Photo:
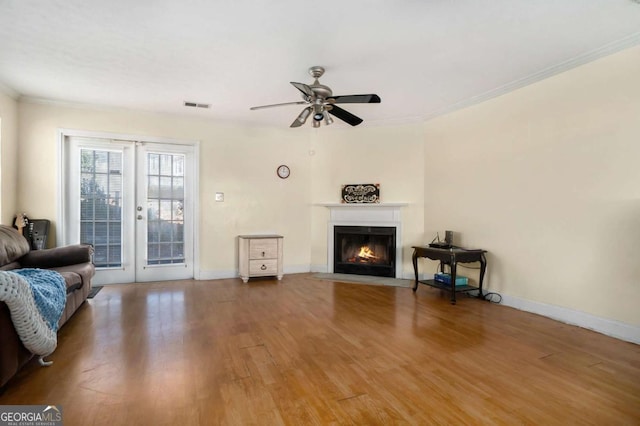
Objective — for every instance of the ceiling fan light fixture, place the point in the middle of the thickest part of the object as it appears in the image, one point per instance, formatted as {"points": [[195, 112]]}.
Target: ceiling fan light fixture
{"points": [[302, 118], [318, 110], [316, 123], [327, 118]]}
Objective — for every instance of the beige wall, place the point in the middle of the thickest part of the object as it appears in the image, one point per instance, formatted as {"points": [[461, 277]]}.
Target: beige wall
{"points": [[241, 162], [8, 158], [547, 179], [391, 156]]}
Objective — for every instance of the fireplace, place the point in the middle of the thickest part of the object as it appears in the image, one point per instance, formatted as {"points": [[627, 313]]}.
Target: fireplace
{"points": [[365, 250], [385, 215]]}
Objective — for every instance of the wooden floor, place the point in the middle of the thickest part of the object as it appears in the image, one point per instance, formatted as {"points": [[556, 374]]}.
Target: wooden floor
{"points": [[306, 351]]}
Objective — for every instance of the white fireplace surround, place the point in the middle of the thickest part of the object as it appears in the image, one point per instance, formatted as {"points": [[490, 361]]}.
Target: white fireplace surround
{"points": [[383, 214]]}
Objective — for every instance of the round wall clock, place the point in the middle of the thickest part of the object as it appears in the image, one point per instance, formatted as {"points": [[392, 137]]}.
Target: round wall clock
{"points": [[283, 171]]}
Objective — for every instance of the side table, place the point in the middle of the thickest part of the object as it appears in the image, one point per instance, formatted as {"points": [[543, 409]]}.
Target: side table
{"points": [[451, 257]]}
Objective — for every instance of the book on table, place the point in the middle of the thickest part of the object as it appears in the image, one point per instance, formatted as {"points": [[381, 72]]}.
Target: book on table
{"points": [[446, 279]]}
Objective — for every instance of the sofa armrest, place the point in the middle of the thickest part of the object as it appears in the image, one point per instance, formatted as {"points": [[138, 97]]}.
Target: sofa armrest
{"points": [[59, 256]]}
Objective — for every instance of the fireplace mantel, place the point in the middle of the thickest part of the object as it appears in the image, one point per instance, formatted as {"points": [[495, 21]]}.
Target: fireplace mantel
{"points": [[367, 205], [379, 214]]}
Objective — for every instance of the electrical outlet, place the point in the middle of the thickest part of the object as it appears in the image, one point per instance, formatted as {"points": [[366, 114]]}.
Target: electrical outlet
{"points": [[219, 197]]}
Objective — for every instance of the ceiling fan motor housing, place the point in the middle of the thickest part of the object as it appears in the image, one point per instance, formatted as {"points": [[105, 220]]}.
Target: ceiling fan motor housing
{"points": [[320, 90]]}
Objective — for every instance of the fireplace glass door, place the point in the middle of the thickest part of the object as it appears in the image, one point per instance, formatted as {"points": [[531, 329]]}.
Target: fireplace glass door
{"points": [[365, 250]]}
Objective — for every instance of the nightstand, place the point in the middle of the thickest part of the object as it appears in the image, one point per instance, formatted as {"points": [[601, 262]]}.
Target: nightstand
{"points": [[260, 256]]}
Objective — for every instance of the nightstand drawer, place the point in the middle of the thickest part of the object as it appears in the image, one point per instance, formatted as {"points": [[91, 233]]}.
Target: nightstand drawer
{"points": [[263, 267], [263, 248]]}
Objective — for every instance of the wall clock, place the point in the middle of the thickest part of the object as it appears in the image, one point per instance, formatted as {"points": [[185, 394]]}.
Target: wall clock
{"points": [[283, 171]]}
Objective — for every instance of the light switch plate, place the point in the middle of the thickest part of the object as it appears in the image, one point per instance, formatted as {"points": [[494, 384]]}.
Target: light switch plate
{"points": [[219, 196]]}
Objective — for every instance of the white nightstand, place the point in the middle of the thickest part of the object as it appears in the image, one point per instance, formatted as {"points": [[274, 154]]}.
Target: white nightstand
{"points": [[260, 256]]}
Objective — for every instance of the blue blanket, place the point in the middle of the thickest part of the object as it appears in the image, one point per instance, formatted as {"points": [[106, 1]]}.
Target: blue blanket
{"points": [[49, 293]]}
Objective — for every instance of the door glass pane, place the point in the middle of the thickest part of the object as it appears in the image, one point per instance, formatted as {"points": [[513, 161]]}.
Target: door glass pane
{"points": [[101, 204], [165, 203]]}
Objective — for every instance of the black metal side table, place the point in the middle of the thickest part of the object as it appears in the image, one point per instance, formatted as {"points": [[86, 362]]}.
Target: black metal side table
{"points": [[451, 257]]}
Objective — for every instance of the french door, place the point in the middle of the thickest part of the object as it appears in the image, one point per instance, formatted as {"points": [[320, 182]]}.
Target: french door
{"points": [[134, 202]]}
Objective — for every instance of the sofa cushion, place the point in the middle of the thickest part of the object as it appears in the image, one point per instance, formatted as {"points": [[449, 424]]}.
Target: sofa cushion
{"points": [[72, 280], [13, 245], [10, 266], [76, 275]]}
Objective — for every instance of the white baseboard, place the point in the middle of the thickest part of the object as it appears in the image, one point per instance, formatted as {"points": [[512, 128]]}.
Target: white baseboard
{"points": [[319, 268], [410, 275], [617, 329], [217, 275], [296, 269]]}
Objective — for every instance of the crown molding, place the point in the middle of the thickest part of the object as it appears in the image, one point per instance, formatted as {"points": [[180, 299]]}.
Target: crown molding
{"points": [[13, 94], [72, 104], [120, 109], [606, 50]]}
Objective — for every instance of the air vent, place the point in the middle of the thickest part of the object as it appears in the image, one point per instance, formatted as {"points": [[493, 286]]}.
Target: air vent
{"points": [[196, 105]]}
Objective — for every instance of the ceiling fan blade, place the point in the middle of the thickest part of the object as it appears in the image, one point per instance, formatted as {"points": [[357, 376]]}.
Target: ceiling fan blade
{"points": [[302, 118], [345, 116], [306, 90], [355, 99], [277, 105]]}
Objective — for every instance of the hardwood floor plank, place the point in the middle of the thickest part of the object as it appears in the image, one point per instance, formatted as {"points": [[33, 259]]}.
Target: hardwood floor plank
{"points": [[304, 351]]}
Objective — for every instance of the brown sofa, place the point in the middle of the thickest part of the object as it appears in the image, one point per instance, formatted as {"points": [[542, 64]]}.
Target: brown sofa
{"points": [[73, 262]]}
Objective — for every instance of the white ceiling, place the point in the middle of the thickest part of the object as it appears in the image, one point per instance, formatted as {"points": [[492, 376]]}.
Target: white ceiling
{"points": [[422, 57]]}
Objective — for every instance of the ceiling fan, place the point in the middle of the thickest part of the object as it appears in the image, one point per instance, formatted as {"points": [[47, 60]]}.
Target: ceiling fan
{"points": [[322, 102]]}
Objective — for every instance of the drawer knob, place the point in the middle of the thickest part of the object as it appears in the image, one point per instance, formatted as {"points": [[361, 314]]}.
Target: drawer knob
{"points": [[263, 267]]}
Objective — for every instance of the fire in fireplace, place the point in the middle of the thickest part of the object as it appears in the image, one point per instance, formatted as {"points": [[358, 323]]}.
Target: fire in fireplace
{"points": [[365, 250]]}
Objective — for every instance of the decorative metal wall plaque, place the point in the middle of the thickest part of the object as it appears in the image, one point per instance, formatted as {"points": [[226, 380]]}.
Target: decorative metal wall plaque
{"points": [[361, 193]]}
